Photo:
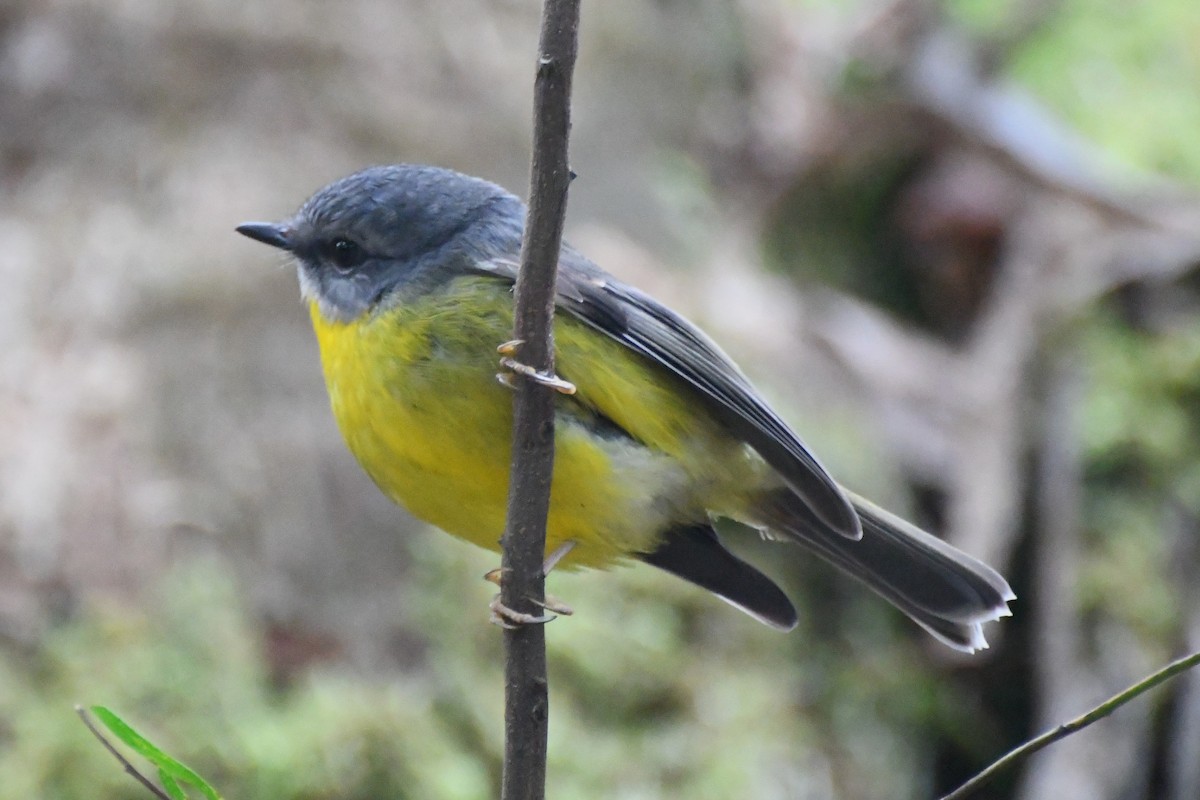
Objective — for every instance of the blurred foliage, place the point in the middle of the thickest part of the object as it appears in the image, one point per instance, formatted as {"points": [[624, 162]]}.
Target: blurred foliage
{"points": [[837, 229], [657, 690], [1119, 75], [1119, 72], [188, 672], [1141, 422]]}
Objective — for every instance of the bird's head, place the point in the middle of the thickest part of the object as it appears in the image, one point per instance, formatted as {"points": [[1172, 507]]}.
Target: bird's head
{"points": [[383, 231]]}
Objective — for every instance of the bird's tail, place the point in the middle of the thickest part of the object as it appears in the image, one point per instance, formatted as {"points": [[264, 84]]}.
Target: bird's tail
{"points": [[943, 589]]}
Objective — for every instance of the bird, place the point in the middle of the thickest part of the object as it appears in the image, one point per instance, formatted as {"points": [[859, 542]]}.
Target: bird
{"points": [[408, 271]]}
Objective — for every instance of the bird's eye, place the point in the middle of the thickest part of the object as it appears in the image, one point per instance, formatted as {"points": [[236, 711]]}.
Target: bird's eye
{"points": [[345, 254]]}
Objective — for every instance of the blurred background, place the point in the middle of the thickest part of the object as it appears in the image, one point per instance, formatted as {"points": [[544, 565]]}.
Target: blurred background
{"points": [[956, 243]]}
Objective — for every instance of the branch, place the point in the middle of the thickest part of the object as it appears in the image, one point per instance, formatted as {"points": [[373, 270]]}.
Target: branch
{"points": [[130, 769], [526, 713], [1079, 723]]}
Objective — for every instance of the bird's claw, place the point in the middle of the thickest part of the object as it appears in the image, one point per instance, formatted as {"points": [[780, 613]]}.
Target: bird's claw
{"points": [[553, 604], [509, 619], [513, 367]]}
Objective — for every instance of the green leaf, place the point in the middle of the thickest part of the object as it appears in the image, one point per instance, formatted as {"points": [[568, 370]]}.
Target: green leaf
{"points": [[171, 786], [168, 767]]}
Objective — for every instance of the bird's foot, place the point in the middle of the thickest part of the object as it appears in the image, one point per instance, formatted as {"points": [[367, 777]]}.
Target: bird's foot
{"points": [[513, 368], [509, 619]]}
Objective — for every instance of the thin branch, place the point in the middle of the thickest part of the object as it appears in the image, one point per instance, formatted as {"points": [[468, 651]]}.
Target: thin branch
{"points": [[124, 762], [526, 714], [1079, 723]]}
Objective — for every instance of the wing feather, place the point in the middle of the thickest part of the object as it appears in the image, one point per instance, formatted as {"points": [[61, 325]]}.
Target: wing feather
{"points": [[652, 330]]}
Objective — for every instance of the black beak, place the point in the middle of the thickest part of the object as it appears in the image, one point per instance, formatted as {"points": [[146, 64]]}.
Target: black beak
{"points": [[271, 233]]}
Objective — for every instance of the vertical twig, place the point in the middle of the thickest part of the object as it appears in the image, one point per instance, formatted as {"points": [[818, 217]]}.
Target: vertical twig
{"points": [[526, 714]]}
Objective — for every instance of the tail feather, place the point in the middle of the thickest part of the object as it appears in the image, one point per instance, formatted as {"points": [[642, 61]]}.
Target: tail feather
{"points": [[942, 589], [695, 554]]}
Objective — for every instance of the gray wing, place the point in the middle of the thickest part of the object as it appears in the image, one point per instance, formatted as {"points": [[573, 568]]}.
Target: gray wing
{"points": [[645, 326]]}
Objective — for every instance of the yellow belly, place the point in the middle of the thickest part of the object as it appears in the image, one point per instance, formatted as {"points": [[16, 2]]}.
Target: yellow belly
{"points": [[415, 394]]}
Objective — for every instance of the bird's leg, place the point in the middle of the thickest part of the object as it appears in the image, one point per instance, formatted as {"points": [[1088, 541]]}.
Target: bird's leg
{"points": [[513, 368], [552, 603], [556, 556], [507, 618]]}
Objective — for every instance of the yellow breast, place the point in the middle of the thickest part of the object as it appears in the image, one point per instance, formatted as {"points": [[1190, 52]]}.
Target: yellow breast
{"points": [[415, 394]]}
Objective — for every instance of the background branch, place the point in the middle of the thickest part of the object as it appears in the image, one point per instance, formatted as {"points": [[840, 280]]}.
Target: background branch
{"points": [[526, 716], [1079, 723]]}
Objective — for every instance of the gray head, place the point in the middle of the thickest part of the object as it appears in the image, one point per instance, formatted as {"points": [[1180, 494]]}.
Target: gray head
{"points": [[388, 231]]}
